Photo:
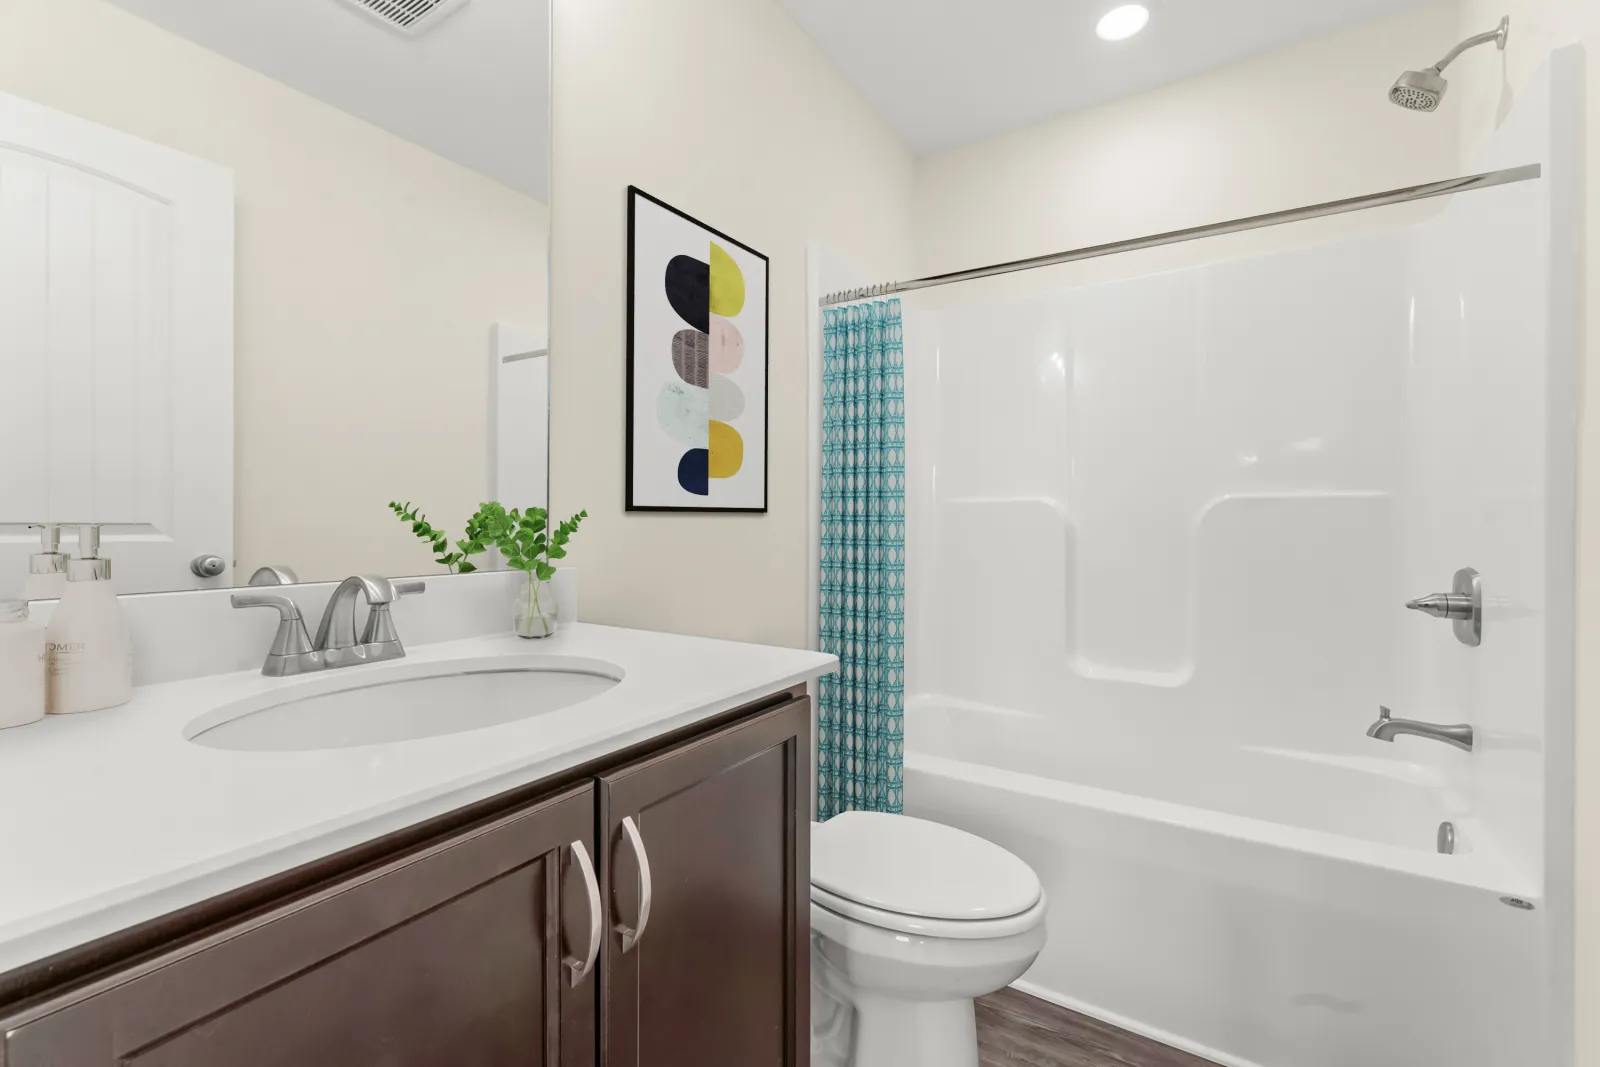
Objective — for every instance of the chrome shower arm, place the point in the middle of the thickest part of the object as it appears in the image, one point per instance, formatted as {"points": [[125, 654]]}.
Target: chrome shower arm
{"points": [[1497, 35]]}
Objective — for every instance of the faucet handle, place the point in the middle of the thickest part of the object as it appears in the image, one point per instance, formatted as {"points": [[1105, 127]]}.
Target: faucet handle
{"points": [[1384, 714], [291, 640], [1462, 605], [380, 623], [380, 627], [287, 609]]}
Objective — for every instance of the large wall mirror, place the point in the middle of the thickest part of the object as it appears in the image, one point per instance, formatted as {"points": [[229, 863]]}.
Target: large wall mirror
{"points": [[265, 267]]}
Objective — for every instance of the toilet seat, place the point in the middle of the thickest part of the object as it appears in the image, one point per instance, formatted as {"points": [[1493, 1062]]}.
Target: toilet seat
{"points": [[920, 926], [910, 875]]}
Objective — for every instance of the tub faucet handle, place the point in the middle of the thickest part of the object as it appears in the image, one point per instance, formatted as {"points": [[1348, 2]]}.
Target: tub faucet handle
{"points": [[1462, 605], [1443, 606]]}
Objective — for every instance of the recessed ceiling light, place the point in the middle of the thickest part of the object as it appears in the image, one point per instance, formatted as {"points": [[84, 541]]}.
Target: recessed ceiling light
{"points": [[1123, 22]]}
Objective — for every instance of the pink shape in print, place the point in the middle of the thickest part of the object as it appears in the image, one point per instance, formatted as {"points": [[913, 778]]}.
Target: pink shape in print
{"points": [[727, 346]]}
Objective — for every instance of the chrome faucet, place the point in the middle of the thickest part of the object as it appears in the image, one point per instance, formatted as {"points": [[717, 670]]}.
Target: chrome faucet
{"points": [[1387, 728], [337, 644]]}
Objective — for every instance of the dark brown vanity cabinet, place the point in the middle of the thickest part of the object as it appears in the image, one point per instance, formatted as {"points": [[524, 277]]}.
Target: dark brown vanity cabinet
{"points": [[708, 870], [474, 950], [448, 955]]}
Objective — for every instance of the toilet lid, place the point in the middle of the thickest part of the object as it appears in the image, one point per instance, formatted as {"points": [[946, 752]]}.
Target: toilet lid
{"points": [[914, 867]]}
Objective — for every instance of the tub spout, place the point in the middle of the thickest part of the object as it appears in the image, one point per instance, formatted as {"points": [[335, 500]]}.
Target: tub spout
{"points": [[1387, 728]]}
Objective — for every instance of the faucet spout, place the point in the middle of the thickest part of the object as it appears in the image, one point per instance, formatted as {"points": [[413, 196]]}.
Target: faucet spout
{"points": [[1387, 728], [337, 633]]}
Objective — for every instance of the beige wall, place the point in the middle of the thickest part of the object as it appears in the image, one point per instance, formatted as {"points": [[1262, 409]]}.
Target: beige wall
{"points": [[1484, 84], [1293, 127], [725, 109], [369, 272]]}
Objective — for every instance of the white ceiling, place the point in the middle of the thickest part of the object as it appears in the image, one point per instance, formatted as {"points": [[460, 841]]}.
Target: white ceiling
{"points": [[944, 73], [474, 87]]}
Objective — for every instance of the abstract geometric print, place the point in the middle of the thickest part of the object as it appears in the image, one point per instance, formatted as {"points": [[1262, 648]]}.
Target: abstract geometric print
{"points": [[860, 734], [699, 408], [697, 365]]}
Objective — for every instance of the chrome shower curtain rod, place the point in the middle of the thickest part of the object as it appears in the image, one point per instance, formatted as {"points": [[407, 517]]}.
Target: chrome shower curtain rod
{"points": [[1215, 229]]}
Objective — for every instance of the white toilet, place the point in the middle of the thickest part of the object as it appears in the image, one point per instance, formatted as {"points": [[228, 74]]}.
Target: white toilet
{"points": [[910, 921]]}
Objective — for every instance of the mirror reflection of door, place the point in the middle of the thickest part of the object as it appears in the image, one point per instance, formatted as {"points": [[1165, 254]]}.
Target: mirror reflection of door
{"points": [[519, 413], [116, 321], [313, 345]]}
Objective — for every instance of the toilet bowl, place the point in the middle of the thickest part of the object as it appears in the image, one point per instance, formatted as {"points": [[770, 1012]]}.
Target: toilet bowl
{"points": [[911, 921]]}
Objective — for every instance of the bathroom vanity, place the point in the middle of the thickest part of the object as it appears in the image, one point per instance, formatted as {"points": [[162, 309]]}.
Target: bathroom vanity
{"points": [[644, 904]]}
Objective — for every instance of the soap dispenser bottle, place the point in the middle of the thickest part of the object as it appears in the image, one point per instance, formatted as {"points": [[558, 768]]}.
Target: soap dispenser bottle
{"points": [[89, 648], [47, 568]]}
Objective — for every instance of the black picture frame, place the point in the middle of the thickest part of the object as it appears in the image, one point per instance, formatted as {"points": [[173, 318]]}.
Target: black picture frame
{"points": [[635, 195]]}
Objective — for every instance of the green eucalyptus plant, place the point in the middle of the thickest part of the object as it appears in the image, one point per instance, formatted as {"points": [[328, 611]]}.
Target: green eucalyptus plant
{"points": [[522, 535], [526, 541], [475, 543]]}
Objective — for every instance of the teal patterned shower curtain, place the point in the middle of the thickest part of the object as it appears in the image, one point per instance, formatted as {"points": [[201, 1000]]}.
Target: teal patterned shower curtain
{"points": [[860, 739]]}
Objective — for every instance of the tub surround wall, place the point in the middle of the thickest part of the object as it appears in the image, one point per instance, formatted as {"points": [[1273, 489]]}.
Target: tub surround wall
{"points": [[1489, 482], [1125, 511], [1197, 532], [1485, 87]]}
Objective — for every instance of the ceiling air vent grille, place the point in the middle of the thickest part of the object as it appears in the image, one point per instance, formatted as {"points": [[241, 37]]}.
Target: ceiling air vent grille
{"points": [[408, 16]]}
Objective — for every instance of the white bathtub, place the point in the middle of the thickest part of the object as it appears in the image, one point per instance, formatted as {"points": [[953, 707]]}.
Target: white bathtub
{"points": [[1253, 906]]}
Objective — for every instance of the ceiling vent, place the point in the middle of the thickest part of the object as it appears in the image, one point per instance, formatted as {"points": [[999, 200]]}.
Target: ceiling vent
{"points": [[410, 17]]}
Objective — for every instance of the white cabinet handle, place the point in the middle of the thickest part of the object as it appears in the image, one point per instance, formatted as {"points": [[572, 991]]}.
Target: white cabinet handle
{"points": [[580, 968], [631, 935]]}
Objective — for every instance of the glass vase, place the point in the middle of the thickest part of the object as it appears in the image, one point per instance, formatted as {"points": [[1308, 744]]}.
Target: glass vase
{"points": [[533, 608]]}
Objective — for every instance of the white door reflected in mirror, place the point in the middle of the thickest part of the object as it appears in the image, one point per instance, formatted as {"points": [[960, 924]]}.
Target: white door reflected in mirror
{"points": [[116, 299]]}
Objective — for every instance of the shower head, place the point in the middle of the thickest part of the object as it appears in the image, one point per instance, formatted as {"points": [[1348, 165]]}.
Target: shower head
{"points": [[1421, 90]]}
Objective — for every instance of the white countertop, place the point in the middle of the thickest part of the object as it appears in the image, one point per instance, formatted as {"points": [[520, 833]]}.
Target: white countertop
{"points": [[113, 817]]}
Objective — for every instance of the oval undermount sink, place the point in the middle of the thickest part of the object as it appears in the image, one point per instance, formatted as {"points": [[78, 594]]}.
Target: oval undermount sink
{"points": [[426, 701]]}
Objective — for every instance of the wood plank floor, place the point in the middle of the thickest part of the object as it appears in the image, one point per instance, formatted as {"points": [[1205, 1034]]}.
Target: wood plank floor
{"points": [[1016, 1030]]}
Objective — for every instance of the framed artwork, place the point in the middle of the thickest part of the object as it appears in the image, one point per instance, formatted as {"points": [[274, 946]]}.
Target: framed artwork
{"points": [[697, 364]]}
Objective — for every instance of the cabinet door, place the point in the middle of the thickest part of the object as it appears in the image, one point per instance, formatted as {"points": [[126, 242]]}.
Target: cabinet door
{"points": [[707, 868], [455, 954]]}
